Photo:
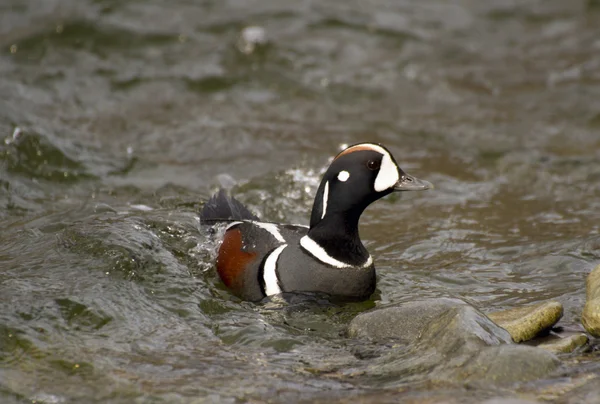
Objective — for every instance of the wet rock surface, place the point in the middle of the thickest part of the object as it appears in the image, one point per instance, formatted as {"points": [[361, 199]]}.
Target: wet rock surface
{"points": [[565, 344], [450, 341], [525, 323], [506, 364], [441, 396], [588, 391], [591, 312], [404, 323]]}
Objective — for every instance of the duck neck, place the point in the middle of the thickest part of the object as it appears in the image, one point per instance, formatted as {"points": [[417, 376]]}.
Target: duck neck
{"points": [[337, 234]]}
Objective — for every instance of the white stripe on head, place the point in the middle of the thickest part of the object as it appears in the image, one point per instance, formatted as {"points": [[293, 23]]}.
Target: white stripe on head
{"points": [[270, 272], [388, 174], [271, 228], [319, 253], [325, 198], [343, 176]]}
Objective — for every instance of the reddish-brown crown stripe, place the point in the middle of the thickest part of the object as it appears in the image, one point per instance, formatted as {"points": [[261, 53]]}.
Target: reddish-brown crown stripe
{"points": [[355, 149]]}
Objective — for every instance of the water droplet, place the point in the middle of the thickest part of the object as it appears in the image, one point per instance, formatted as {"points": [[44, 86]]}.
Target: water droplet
{"points": [[250, 38], [129, 150], [16, 133]]}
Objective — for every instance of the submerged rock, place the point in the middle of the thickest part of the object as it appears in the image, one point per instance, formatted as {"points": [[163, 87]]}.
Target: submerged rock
{"points": [[525, 323], [447, 340], [566, 344], [438, 395], [505, 364], [591, 312], [585, 390], [403, 323]]}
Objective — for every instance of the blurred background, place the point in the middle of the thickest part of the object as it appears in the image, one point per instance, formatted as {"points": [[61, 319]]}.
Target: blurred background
{"points": [[119, 118]]}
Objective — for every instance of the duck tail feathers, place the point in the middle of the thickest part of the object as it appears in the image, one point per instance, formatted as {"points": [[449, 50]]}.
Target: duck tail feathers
{"points": [[224, 208]]}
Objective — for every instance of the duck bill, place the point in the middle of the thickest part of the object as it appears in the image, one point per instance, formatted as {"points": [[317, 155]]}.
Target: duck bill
{"points": [[410, 183]]}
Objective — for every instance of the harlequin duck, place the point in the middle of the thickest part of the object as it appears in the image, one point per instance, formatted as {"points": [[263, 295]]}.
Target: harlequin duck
{"points": [[258, 259]]}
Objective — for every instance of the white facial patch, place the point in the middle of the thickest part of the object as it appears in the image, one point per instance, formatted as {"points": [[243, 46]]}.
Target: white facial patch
{"points": [[343, 176], [325, 198], [270, 272], [388, 173]]}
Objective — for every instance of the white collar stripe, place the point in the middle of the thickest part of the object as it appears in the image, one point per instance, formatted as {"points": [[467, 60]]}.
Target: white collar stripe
{"points": [[270, 272], [319, 253]]}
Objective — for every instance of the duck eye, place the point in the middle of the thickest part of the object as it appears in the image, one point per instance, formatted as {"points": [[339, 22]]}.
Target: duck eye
{"points": [[373, 164]]}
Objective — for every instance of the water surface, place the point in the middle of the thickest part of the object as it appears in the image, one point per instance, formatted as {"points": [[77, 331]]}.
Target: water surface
{"points": [[118, 119]]}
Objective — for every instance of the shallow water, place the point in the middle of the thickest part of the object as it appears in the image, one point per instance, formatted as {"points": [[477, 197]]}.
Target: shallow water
{"points": [[117, 119]]}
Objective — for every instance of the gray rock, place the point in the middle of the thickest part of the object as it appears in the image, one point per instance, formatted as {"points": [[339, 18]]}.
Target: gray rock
{"points": [[578, 388], [403, 323], [509, 401], [505, 364], [591, 312], [447, 340], [428, 396], [410, 322], [585, 390]]}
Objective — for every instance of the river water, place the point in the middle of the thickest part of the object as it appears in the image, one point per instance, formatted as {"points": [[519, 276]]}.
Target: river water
{"points": [[119, 118]]}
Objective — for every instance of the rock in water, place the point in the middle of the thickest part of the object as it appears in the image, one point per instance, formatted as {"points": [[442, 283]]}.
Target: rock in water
{"points": [[525, 323], [447, 340], [591, 312], [506, 364], [565, 344], [403, 323]]}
